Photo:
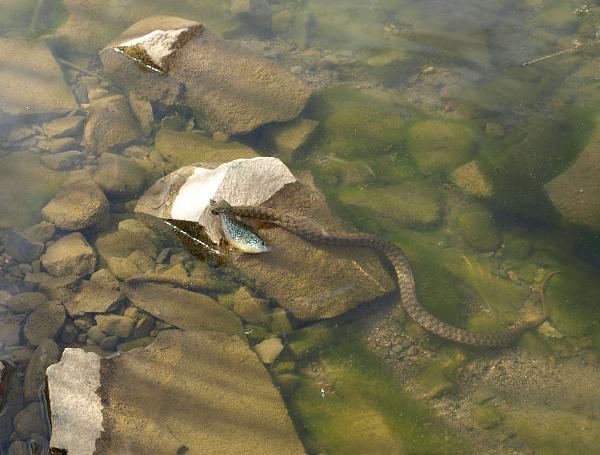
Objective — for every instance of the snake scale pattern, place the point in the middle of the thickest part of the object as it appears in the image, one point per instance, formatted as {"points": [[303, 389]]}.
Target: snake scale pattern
{"points": [[311, 231]]}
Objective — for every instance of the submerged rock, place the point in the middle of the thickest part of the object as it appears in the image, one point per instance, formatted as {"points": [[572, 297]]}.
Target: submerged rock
{"points": [[93, 297], [78, 204], [184, 309], [70, 255], [576, 192], [246, 414], [23, 64], [472, 181], [439, 145], [119, 176], [288, 138], [111, 125], [45, 321], [62, 160], [64, 126], [415, 204], [45, 355], [22, 247], [269, 349], [181, 148], [227, 88]]}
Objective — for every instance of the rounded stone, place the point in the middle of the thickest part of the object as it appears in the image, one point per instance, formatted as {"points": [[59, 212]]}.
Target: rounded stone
{"points": [[44, 322]]}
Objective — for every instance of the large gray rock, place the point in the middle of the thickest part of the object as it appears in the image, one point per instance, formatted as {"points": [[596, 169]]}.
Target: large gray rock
{"points": [[576, 192], [185, 194], [143, 414], [70, 254], [78, 204], [180, 63], [311, 281], [111, 125], [23, 65]]}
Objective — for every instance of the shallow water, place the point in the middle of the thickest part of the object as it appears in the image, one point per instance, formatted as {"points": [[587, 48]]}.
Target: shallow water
{"points": [[466, 132]]}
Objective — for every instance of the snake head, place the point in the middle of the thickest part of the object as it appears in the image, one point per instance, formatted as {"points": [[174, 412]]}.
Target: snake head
{"points": [[220, 206]]}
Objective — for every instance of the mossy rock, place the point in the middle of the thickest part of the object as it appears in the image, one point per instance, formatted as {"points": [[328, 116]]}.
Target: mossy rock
{"points": [[309, 339], [409, 204], [181, 148], [354, 125], [518, 172], [389, 66], [364, 409], [487, 416], [474, 224], [534, 345], [439, 145], [335, 171], [440, 375]]}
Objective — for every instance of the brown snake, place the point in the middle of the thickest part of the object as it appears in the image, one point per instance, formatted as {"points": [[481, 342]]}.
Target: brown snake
{"points": [[311, 231]]}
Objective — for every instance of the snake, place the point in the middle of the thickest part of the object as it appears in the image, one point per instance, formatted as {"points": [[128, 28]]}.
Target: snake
{"points": [[310, 230]]}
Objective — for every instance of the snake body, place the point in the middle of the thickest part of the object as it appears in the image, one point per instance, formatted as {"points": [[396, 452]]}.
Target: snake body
{"points": [[311, 231]]}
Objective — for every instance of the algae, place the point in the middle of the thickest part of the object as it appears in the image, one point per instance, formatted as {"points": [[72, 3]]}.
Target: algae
{"points": [[439, 145], [354, 406]]}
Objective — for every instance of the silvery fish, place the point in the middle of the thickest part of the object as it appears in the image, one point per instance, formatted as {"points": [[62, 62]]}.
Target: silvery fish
{"points": [[240, 237]]}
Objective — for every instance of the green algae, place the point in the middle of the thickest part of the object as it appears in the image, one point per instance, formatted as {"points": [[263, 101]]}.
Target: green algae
{"points": [[354, 125], [354, 406], [487, 416], [439, 377], [439, 145], [181, 148], [413, 203], [555, 432], [474, 224]]}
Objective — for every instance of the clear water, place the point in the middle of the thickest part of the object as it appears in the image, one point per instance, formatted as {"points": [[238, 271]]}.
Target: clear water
{"points": [[442, 125]]}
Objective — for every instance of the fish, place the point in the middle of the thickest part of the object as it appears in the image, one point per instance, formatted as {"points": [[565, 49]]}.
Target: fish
{"points": [[240, 237]]}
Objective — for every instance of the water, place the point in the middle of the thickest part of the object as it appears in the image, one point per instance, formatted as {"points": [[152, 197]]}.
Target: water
{"points": [[465, 132]]}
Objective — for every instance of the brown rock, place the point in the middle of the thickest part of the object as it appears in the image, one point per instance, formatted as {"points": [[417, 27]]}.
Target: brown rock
{"points": [[70, 255], [111, 125], [228, 88], [472, 181], [78, 204], [184, 309], [576, 192]]}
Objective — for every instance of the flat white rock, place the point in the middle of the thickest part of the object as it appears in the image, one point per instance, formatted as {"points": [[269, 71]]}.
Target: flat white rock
{"points": [[75, 405], [186, 193]]}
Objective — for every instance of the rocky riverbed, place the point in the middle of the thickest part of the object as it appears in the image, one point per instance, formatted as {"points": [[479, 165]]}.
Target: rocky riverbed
{"points": [[484, 175]]}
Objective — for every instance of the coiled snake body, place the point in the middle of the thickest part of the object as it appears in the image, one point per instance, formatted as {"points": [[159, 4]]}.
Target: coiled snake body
{"points": [[311, 231]]}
